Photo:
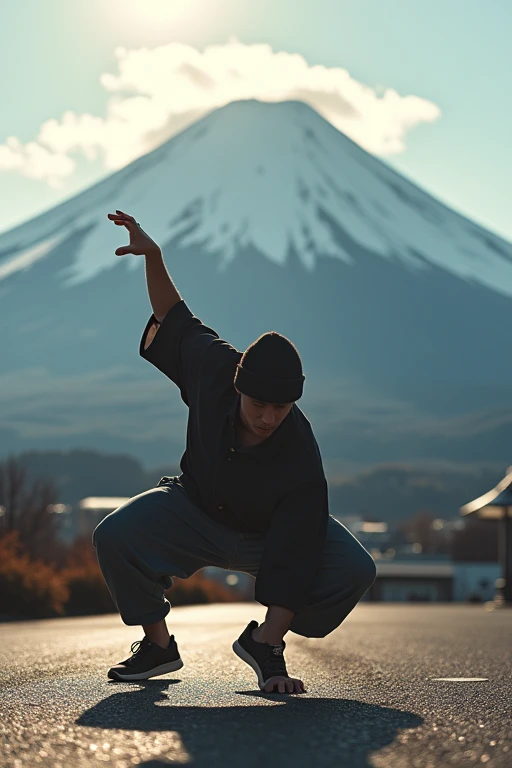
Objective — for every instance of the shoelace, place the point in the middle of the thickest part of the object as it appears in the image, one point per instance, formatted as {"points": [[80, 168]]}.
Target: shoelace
{"points": [[275, 663], [138, 649], [135, 647]]}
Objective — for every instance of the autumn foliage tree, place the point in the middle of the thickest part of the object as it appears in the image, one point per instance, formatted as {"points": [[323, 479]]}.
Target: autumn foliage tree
{"points": [[29, 588], [25, 507]]}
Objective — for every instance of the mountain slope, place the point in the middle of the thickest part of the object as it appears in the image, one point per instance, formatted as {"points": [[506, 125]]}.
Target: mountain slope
{"points": [[267, 175], [269, 219]]}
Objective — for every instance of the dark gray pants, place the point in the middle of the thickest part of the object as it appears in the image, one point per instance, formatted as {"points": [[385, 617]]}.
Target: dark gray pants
{"points": [[160, 533]]}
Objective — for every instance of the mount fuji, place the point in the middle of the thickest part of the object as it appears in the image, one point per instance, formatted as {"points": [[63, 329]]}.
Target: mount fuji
{"points": [[269, 218]]}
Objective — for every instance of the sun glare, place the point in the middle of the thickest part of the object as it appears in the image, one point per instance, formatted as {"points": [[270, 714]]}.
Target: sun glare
{"points": [[155, 13]]}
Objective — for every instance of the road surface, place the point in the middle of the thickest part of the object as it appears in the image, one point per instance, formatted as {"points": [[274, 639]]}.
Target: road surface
{"points": [[373, 698]]}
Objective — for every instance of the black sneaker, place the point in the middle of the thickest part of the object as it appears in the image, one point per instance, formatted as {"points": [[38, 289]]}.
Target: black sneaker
{"points": [[148, 660], [266, 660]]}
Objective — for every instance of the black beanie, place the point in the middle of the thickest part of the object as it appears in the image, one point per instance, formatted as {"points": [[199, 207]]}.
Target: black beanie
{"points": [[271, 370]]}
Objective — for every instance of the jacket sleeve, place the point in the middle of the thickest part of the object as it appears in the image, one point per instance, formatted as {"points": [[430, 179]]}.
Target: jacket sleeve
{"points": [[294, 546], [176, 346]]}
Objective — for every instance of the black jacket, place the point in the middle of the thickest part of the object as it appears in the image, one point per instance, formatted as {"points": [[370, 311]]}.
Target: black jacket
{"points": [[277, 488]]}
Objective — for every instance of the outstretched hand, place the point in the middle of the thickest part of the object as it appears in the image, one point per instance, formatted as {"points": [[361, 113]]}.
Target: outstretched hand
{"points": [[140, 242]]}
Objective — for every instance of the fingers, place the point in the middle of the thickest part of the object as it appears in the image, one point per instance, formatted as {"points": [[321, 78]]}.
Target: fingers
{"points": [[126, 215], [123, 218], [123, 250], [130, 225], [284, 685]]}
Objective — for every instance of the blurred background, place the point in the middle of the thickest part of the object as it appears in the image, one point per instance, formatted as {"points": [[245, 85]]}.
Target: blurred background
{"points": [[337, 171]]}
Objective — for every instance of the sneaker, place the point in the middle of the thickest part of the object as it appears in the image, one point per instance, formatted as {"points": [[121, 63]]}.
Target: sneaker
{"points": [[266, 660], [148, 660]]}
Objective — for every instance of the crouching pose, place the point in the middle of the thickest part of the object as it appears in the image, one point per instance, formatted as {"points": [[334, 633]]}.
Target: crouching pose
{"points": [[252, 495]]}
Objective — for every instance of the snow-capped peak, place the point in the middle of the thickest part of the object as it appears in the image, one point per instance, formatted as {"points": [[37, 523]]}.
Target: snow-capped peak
{"points": [[274, 176]]}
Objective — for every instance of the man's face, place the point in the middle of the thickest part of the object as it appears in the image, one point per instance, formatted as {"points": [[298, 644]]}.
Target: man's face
{"points": [[260, 418]]}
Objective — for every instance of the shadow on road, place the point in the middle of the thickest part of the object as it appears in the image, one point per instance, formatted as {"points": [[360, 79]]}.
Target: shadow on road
{"points": [[285, 729]]}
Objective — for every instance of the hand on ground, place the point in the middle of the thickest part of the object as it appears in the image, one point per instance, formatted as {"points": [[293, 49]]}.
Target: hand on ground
{"points": [[279, 684]]}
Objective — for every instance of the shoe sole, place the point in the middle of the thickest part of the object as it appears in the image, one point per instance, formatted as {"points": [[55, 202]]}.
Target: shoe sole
{"points": [[242, 654], [163, 669]]}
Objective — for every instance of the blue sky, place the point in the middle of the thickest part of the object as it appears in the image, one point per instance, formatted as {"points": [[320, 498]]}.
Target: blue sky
{"points": [[430, 81]]}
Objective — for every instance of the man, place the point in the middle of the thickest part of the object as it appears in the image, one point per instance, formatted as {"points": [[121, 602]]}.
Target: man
{"points": [[252, 495]]}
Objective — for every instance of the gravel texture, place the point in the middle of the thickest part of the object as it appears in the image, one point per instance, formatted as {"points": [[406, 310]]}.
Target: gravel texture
{"points": [[372, 699]]}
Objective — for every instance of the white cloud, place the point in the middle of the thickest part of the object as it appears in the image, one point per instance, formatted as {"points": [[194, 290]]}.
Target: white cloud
{"points": [[36, 161], [158, 92]]}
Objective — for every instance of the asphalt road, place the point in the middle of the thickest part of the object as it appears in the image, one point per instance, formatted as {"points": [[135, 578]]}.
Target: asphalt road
{"points": [[372, 695]]}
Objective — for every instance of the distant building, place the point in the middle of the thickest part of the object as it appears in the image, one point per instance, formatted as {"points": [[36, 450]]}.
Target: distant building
{"points": [[475, 581], [425, 580], [376, 537], [496, 504], [93, 509]]}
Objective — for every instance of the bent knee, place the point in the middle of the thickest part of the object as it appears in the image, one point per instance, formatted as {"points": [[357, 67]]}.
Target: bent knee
{"points": [[102, 532], [108, 530], [126, 523], [365, 570]]}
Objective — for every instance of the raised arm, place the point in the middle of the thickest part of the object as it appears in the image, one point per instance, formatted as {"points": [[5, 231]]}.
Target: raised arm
{"points": [[163, 294]]}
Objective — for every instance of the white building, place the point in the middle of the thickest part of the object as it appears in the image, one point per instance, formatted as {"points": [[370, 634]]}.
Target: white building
{"points": [[433, 581], [93, 509]]}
